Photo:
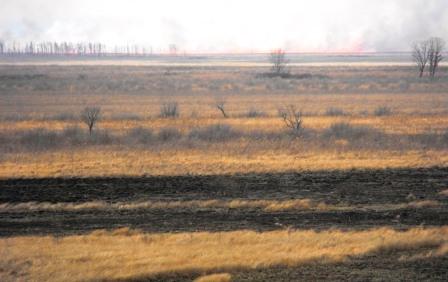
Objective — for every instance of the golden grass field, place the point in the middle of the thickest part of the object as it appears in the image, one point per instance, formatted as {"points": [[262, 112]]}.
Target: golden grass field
{"points": [[212, 161], [130, 97], [126, 254], [47, 234]]}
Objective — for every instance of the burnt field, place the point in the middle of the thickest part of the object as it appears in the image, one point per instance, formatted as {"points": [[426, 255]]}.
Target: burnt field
{"points": [[359, 192], [355, 199]]}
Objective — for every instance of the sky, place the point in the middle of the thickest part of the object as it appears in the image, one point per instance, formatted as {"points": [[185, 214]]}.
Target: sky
{"points": [[213, 26]]}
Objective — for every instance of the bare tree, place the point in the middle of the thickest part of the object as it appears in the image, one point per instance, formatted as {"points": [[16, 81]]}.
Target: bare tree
{"points": [[90, 115], [292, 118], [435, 47], [420, 54], [220, 104], [279, 62]]}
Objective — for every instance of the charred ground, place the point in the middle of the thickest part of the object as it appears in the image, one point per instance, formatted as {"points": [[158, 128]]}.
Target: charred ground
{"points": [[357, 189]]}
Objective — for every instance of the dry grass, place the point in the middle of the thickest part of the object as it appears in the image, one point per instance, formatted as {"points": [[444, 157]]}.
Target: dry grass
{"points": [[424, 204], [126, 254], [418, 107], [218, 277], [444, 193], [394, 124], [267, 205], [441, 251], [211, 160], [137, 91]]}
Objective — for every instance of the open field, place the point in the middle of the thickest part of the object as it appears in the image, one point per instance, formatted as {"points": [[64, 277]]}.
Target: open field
{"points": [[212, 160], [124, 255], [360, 194], [354, 199], [339, 212]]}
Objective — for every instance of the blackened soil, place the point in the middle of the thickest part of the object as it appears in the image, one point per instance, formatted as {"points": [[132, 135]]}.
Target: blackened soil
{"points": [[355, 187]]}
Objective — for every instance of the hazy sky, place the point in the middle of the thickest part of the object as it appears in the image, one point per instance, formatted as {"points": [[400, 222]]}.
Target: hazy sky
{"points": [[229, 25]]}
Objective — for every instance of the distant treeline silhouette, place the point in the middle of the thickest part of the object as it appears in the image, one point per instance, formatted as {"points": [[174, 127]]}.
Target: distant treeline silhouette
{"points": [[49, 48]]}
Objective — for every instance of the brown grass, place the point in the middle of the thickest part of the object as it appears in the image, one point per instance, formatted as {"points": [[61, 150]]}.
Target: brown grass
{"points": [[265, 205], [424, 204], [218, 277], [441, 251], [215, 159], [126, 254], [140, 90], [394, 124], [419, 107]]}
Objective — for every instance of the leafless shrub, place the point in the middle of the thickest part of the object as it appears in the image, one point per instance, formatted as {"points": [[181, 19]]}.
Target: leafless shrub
{"points": [[101, 137], [220, 105], [141, 135], [15, 117], [382, 111], [62, 117], [343, 130], [333, 111], [82, 76], [74, 135], [279, 62], [125, 116], [254, 113], [89, 116], [169, 134], [39, 139], [216, 132], [444, 136], [299, 76], [430, 139], [363, 113], [292, 118], [169, 110]]}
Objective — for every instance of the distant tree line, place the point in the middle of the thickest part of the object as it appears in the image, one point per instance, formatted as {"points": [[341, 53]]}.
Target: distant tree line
{"points": [[79, 49], [52, 48]]}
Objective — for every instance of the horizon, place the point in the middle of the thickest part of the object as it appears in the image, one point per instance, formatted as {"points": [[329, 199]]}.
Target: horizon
{"points": [[231, 27]]}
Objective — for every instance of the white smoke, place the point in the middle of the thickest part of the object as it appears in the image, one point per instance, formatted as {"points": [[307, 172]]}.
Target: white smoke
{"points": [[231, 25]]}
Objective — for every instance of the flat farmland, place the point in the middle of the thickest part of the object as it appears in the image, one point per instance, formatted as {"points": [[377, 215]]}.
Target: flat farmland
{"points": [[223, 189]]}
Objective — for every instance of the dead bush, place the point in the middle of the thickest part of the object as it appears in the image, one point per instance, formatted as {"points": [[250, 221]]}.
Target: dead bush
{"points": [[61, 117], [169, 134], [343, 130], [73, 135], [254, 113], [333, 111], [292, 119], [140, 135], [220, 104], [169, 110], [39, 139], [125, 116], [101, 137], [382, 111], [90, 116], [216, 132]]}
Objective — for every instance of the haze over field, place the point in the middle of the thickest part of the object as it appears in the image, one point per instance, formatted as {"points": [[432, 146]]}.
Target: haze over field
{"points": [[229, 26], [223, 140]]}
